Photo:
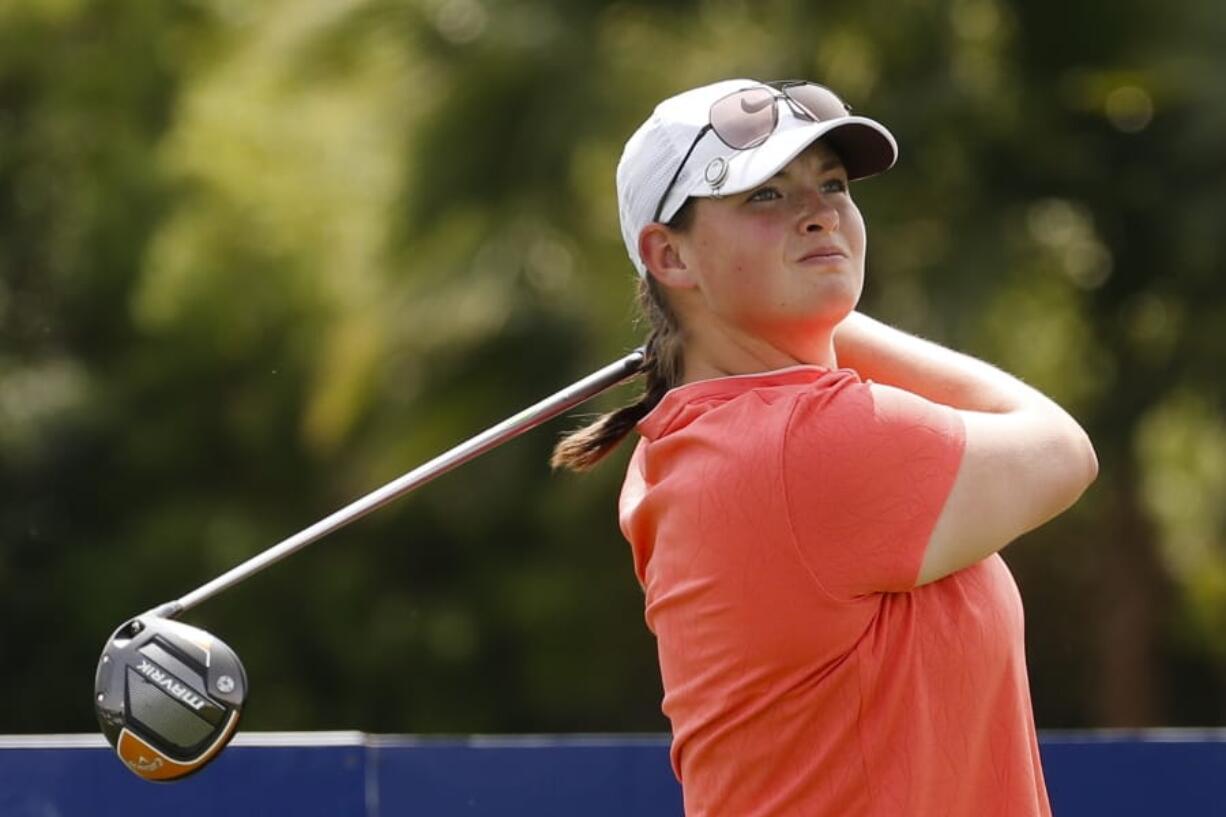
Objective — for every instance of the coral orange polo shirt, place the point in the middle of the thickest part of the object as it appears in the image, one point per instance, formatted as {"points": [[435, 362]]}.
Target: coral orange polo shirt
{"points": [[778, 522]]}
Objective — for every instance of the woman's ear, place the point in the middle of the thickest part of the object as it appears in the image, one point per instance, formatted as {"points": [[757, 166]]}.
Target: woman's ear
{"points": [[660, 249]]}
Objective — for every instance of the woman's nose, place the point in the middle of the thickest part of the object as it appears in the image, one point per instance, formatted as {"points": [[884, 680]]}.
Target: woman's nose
{"points": [[819, 214]]}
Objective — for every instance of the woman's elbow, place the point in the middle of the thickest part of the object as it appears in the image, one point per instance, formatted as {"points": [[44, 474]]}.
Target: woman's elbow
{"points": [[1083, 460], [1073, 467], [1091, 460]]}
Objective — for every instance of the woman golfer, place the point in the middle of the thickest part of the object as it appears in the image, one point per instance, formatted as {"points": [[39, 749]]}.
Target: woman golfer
{"points": [[816, 501]]}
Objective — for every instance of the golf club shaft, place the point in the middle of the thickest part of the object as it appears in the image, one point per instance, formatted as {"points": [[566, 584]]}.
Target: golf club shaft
{"points": [[492, 437]]}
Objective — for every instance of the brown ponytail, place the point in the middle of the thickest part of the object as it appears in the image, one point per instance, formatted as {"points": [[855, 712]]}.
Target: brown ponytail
{"points": [[662, 366]]}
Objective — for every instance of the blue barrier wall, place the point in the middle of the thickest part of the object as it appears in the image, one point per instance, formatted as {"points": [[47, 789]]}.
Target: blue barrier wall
{"points": [[350, 774]]}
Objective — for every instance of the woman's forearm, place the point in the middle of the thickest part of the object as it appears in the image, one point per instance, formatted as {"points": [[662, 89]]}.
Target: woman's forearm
{"points": [[886, 355]]}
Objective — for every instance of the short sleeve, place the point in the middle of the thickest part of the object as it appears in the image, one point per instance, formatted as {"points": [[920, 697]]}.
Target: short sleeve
{"points": [[866, 473]]}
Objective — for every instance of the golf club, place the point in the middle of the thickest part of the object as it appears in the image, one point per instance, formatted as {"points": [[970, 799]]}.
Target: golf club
{"points": [[168, 696]]}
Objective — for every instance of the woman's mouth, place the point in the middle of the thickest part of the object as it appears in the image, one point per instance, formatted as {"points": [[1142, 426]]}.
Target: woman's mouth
{"points": [[823, 255]]}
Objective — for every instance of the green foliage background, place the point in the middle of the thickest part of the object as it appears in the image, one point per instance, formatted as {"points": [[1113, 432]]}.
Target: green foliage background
{"points": [[258, 258]]}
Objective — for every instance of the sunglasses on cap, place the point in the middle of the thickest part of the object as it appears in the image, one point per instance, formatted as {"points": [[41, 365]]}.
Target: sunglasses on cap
{"points": [[745, 119]]}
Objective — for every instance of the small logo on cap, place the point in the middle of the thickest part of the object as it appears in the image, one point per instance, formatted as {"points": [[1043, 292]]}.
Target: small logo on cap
{"points": [[717, 172]]}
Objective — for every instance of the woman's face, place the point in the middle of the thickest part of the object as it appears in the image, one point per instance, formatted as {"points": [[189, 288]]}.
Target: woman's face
{"points": [[784, 261]]}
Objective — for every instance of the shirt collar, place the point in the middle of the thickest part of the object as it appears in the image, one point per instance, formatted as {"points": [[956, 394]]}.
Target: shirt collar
{"points": [[661, 417]]}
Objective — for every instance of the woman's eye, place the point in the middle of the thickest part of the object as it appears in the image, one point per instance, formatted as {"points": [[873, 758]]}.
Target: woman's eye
{"points": [[835, 186], [765, 194]]}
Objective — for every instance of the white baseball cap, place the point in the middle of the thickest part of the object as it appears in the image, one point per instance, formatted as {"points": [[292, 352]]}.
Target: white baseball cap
{"points": [[656, 150]]}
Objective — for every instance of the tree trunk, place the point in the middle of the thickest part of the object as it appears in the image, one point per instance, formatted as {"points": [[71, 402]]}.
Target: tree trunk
{"points": [[1133, 599]]}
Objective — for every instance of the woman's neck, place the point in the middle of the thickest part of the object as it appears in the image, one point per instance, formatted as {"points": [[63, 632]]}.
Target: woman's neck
{"points": [[726, 355]]}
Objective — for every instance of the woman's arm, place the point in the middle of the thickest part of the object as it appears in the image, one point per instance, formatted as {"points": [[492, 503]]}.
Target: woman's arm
{"points": [[1026, 459], [886, 355]]}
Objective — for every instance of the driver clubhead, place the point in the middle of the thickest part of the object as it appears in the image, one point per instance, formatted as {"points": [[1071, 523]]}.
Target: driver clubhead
{"points": [[168, 696]]}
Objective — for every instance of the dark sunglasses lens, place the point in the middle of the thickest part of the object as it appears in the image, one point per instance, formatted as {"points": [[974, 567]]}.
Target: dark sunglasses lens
{"points": [[745, 118], [818, 101]]}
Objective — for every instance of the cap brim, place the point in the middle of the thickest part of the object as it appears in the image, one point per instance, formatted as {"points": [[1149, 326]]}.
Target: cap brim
{"points": [[865, 147]]}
